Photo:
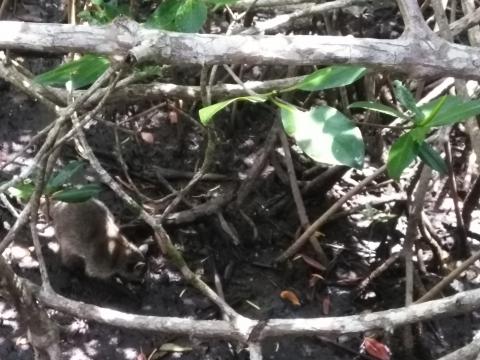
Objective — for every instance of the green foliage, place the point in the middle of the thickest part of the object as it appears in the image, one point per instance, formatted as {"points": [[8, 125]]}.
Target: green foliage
{"points": [[58, 187], [330, 77], [406, 99], [59, 179], [325, 134], [432, 158], [206, 114], [447, 110], [77, 194], [23, 190], [179, 15], [402, 153], [81, 72], [384, 109]]}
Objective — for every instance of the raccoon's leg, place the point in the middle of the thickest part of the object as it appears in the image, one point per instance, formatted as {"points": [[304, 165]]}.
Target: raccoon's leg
{"points": [[72, 261]]}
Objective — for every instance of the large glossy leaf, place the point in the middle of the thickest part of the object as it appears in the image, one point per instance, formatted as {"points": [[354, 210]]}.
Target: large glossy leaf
{"points": [[79, 194], [401, 155], [326, 135], [81, 72], [206, 114], [405, 97], [179, 15], [330, 77], [454, 111], [375, 106], [432, 158], [64, 175]]}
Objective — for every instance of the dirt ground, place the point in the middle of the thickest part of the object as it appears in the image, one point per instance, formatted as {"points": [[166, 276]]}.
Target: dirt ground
{"points": [[251, 283]]}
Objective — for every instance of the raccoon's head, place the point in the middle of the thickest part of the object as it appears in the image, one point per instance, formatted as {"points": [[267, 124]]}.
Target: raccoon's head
{"points": [[131, 264]]}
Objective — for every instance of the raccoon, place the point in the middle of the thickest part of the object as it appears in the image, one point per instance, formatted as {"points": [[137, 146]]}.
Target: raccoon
{"points": [[88, 235]]}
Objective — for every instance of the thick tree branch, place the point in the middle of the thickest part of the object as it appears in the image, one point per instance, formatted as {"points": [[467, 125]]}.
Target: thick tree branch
{"points": [[425, 56]]}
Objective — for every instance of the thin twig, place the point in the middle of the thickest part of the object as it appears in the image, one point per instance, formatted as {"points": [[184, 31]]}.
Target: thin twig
{"points": [[326, 215]]}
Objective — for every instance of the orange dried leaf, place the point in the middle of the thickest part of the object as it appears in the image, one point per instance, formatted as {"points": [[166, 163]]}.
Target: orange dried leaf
{"points": [[290, 296], [376, 349]]}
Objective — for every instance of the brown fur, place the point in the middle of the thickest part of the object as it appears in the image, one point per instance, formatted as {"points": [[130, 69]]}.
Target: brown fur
{"points": [[87, 232]]}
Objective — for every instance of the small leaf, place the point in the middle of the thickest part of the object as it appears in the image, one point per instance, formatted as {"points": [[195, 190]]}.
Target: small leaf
{"points": [[80, 194], [374, 106], [64, 175], [183, 16], [291, 297], [81, 72], [376, 349], [432, 158], [23, 191], [326, 135], [207, 113], [330, 77], [402, 153], [405, 97]]}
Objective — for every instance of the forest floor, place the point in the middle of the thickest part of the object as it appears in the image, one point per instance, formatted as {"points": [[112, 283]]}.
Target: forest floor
{"points": [[355, 243]]}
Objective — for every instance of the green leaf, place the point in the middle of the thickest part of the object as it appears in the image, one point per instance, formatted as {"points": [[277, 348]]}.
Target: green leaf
{"points": [[207, 113], [79, 194], [183, 16], [432, 158], [405, 97], [81, 72], [23, 191], [375, 106], [452, 114], [438, 106], [330, 77], [402, 153], [326, 135], [64, 175]]}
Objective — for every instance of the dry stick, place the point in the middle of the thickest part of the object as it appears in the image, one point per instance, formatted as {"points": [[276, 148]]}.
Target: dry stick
{"points": [[123, 165], [32, 141], [9, 206], [387, 319], [410, 236], [297, 196], [378, 271], [164, 238], [468, 352], [43, 334], [35, 200], [462, 247], [282, 21], [65, 114], [257, 168], [21, 221], [413, 19], [449, 278], [326, 215]]}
